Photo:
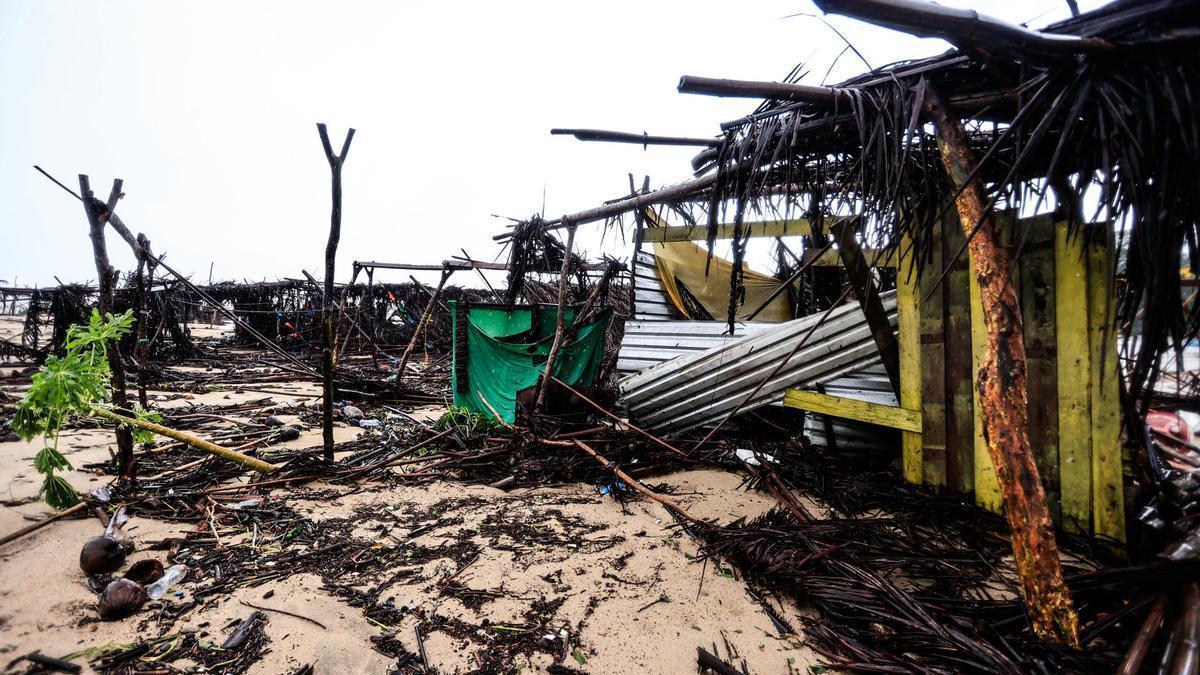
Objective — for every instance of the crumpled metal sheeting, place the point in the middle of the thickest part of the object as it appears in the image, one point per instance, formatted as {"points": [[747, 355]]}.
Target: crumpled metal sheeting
{"points": [[698, 389]]}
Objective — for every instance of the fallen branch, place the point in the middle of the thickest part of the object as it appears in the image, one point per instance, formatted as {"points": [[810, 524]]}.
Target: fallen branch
{"points": [[225, 453], [632, 482]]}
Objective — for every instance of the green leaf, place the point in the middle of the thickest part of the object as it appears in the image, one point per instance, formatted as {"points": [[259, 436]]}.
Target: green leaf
{"points": [[59, 493], [48, 460]]}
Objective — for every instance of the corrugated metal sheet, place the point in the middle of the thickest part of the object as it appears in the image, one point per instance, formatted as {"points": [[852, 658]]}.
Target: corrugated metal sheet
{"points": [[650, 303], [649, 343], [701, 388]]}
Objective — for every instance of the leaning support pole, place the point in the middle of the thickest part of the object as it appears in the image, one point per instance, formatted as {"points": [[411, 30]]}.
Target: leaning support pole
{"points": [[563, 281], [1003, 399], [335, 234], [412, 343], [97, 215]]}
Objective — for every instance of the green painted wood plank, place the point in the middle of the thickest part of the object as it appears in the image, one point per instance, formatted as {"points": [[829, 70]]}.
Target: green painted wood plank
{"points": [[1037, 310], [1074, 375], [933, 367], [1108, 503], [909, 337], [960, 377]]}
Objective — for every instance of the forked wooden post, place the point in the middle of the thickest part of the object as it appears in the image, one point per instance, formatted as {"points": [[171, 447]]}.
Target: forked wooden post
{"points": [[97, 215], [335, 234], [1003, 397]]}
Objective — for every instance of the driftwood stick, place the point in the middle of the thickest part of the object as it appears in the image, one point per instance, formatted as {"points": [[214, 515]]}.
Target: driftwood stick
{"points": [[775, 371], [1132, 663], [564, 280], [424, 320], [633, 482], [42, 523], [335, 234], [97, 215], [618, 420], [1003, 396]]}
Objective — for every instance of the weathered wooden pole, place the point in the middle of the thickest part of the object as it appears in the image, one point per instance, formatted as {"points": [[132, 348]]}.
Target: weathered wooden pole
{"points": [[412, 343], [1003, 398], [335, 234], [564, 279], [97, 215]]}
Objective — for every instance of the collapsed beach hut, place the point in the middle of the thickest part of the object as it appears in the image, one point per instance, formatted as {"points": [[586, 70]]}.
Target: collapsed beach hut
{"points": [[1029, 197]]}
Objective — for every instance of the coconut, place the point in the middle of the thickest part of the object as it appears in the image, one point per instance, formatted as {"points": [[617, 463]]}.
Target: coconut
{"points": [[101, 555], [121, 598], [145, 572]]}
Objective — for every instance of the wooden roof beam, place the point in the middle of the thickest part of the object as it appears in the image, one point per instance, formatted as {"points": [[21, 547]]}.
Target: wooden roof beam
{"points": [[642, 139], [964, 28]]}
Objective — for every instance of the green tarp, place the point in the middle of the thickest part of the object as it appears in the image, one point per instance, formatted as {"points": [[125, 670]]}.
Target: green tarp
{"points": [[506, 352]]}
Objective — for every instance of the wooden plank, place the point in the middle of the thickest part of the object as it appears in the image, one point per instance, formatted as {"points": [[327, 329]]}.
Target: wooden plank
{"points": [[960, 376], [1108, 502], [1074, 381], [1037, 311], [933, 365], [848, 408], [764, 228], [987, 488], [909, 337]]}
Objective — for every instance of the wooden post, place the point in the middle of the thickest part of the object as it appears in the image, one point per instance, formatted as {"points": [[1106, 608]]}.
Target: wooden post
{"points": [[412, 343], [1003, 396], [97, 215], [564, 279], [335, 234], [859, 273]]}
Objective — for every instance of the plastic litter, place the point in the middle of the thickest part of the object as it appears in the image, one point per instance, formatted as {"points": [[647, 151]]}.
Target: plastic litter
{"points": [[173, 575]]}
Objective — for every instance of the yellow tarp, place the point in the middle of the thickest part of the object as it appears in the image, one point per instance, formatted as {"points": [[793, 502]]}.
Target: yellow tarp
{"points": [[684, 262]]}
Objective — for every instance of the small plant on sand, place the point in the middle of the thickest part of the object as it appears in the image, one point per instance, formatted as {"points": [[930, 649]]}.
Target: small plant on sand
{"points": [[74, 384]]}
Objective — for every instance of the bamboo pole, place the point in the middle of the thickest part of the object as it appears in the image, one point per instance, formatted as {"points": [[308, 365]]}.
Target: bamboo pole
{"points": [[412, 342], [232, 455], [335, 234], [563, 281], [1003, 396]]}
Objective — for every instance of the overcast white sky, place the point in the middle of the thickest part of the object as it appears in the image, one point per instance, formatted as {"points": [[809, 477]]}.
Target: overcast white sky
{"points": [[208, 112]]}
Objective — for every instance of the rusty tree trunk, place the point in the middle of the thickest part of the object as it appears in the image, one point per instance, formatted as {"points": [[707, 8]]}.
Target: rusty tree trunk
{"points": [[1003, 399]]}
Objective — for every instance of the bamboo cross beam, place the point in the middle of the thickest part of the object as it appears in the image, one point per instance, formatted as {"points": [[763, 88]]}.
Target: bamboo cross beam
{"points": [[642, 139], [778, 91]]}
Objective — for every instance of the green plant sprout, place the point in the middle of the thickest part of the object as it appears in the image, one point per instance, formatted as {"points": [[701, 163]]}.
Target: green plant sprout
{"points": [[67, 386], [76, 384]]}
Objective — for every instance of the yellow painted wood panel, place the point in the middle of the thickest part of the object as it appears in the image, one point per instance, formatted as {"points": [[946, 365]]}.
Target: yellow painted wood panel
{"points": [[909, 336], [851, 409], [1074, 380], [1108, 503], [987, 488]]}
